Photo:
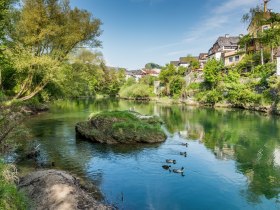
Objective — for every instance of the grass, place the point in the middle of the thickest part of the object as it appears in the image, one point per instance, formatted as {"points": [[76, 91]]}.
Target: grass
{"points": [[129, 121], [10, 197]]}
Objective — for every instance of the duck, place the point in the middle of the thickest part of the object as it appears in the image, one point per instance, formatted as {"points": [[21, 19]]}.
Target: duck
{"points": [[166, 167], [185, 144], [179, 171], [183, 153], [171, 161]]}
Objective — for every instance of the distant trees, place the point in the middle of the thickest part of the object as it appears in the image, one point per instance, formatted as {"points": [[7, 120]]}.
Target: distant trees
{"points": [[152, 66]]}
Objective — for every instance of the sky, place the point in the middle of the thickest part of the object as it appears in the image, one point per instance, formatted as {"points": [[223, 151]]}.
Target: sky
{"points": [[136, 32]]}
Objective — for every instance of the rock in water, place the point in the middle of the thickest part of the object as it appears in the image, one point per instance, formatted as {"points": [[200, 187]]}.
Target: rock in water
{"points": [[123, 127], [57, 190]]}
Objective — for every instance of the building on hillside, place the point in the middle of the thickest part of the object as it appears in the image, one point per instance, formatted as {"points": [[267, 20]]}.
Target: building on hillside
{"points": [[151, 72], [232, 57], [202, 59], [223, 45], [136, 74], [184, 61], [175, 63], [254, 27]]}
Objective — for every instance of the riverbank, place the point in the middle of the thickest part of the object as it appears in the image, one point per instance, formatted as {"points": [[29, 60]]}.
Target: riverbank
{"points": [[268, 109], [54, 189]]}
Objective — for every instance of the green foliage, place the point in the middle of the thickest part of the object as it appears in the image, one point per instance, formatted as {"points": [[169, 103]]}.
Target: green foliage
{"points": [[114, 79], [193, 61], [11, 198], [193, 86], [127, 120], [136, 91], [40, 39], [168, 71], [209, 97], [176, 85], [148, 80], [152, 66], [130, 81], [240, 95], [212, 72], [52, 27]]}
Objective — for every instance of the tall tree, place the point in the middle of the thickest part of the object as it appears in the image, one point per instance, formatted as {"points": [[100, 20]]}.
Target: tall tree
{"points": [[5, 6], [46, 32]]}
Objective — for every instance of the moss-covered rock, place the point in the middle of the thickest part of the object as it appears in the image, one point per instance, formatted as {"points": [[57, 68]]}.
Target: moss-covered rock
{"points": [[124, 127]]}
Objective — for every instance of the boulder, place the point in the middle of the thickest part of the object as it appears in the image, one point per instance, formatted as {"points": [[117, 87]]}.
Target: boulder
{"points": [[125, 127]]}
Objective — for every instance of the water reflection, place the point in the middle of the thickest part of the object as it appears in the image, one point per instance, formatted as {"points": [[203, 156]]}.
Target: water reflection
{"points": [[249, 139]]}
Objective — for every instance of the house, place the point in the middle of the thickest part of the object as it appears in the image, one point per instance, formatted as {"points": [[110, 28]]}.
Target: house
{"points": [[151, 72], [232, 57], [202, 59], [175, 63], [223, 45], [136, 74], [254, 28], [278, 62]]}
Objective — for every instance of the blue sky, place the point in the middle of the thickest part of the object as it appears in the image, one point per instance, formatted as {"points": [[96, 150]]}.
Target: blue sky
{"points": [[136, 32]]}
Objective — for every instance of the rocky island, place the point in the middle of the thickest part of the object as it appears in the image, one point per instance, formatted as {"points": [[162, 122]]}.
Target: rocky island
{"points": [[124, 127]]}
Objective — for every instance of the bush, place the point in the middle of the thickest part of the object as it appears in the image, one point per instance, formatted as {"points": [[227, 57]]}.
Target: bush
{"points": [[10, 197], [136, 91], [176, 85], [240, 95], [212, 72], [209, 97]]}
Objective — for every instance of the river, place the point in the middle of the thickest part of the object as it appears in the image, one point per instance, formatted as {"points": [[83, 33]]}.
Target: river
{"points": [[233, 157]]}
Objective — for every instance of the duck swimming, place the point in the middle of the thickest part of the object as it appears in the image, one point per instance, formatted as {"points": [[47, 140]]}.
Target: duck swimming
{"points": [[185, 144], [171, 161], [179, 171], [166, 167], [183, 153]]}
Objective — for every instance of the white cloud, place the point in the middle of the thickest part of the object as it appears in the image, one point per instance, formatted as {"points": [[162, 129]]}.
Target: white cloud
{"points": [[209, 27], [232, 5]]}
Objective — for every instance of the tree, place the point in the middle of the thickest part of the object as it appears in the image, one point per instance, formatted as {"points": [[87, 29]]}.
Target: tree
{"points": [[45, 34], [166, 72], [5, 6], [152, 66], [271, 38], [212, 72], [176, 85]]}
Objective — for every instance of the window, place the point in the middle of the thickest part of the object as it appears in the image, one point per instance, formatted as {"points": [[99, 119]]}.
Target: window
{"points": [[237, 58], [230, 59], [265, 28]]}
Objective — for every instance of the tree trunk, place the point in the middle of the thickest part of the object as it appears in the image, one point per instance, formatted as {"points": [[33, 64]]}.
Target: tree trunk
{"points": [[35, 92]]}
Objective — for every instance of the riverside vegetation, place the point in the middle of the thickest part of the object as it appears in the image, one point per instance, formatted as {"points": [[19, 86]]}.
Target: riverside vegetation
{"points": [[252, 83], [43, 57]]}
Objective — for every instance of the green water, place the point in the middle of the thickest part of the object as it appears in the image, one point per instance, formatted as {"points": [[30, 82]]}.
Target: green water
{"points": [[233, 157]]}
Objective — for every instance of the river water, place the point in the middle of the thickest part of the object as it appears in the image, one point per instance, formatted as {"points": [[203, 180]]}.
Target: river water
{"points": [[233, 157]]}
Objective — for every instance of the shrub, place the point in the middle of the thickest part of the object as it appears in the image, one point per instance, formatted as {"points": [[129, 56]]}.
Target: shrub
{"points": [[136, 91], [210, 97], [212, 72], [176, 85], [10, 197]]}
